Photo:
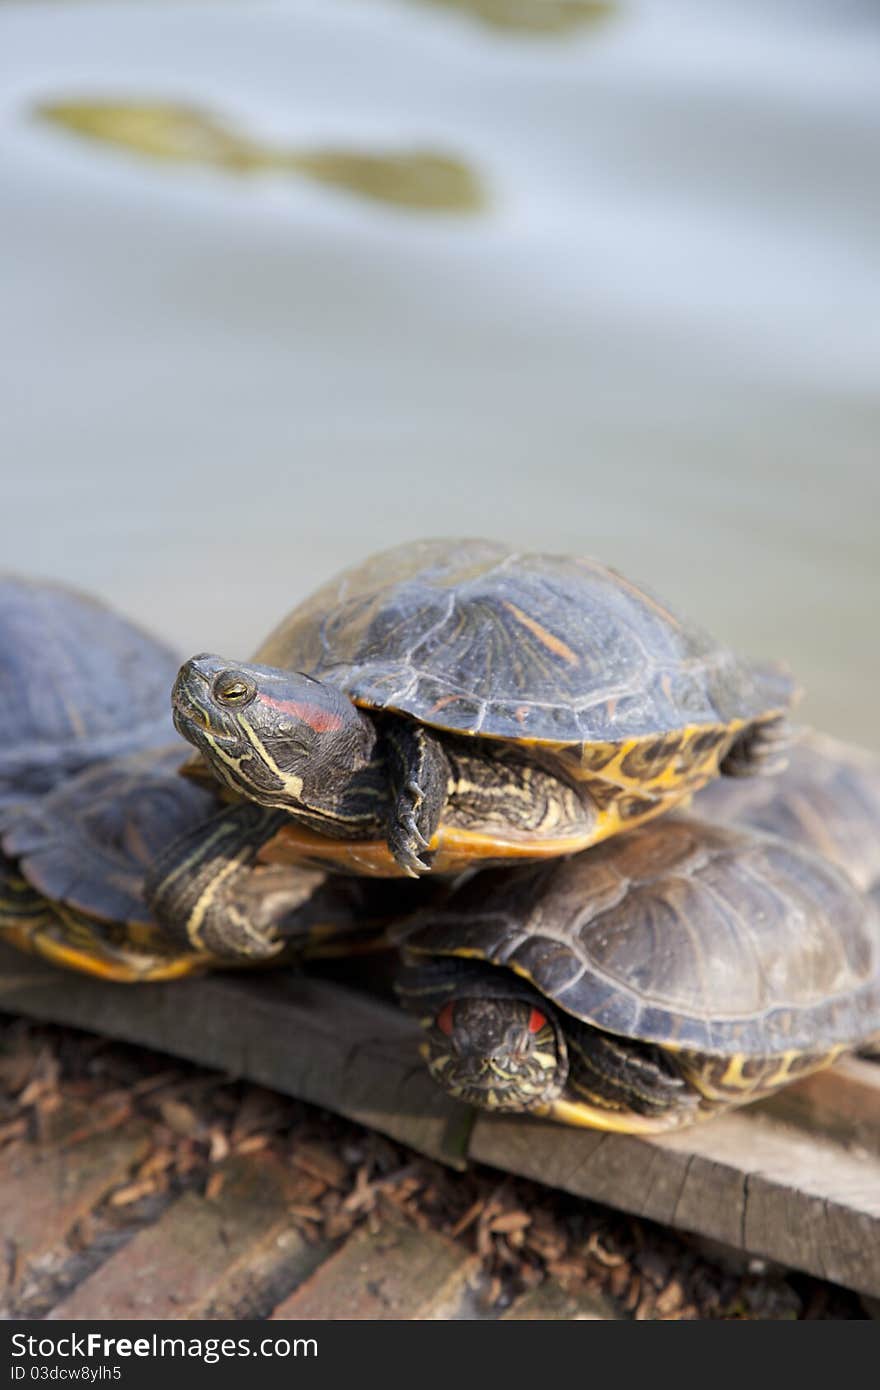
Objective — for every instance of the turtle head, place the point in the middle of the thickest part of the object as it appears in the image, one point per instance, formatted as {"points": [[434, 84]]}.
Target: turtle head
{"points": [[280, 738], [497, 1053]]}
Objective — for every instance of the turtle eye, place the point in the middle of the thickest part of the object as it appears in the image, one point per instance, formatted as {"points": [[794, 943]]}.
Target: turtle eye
{"points": [[521, 1041], [232, 690]]}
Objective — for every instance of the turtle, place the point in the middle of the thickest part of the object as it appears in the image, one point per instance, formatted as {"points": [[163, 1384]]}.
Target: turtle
{"points": [[456, 703], [72, 872], [78, 684], [827, 799], [646, 983], [90, 795]]}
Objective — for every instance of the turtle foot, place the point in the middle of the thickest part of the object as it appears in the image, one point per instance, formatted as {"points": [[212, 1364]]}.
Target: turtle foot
{"points": [[405, 838], [761, 751], [419, 777]]}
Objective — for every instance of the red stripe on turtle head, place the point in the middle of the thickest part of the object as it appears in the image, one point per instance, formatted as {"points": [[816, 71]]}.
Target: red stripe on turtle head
{"points": [[321, 720], [444, 1019], [536, 1021]]}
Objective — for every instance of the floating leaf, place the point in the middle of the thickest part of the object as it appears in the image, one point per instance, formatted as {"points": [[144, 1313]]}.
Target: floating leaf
{"points": [[184, 134], [181, 134], [535, 16], [417, 180]]}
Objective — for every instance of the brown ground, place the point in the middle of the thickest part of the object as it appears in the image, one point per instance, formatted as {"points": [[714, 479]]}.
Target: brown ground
{"points": [[343, 1177]]}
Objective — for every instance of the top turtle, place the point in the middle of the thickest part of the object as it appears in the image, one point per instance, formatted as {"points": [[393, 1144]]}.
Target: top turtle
{"points": [[452, 701], [78, 684]]}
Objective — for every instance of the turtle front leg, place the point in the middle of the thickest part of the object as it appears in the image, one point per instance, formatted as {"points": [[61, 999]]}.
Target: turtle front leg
{"points": [[626, 1075], [761, 750], [419, 778], [207, 892]]}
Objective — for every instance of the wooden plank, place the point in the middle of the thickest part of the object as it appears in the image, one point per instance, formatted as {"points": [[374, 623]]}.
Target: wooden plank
{"points": [[549, 1302], [253, 1289], [179, 1266], [842, 1101], [747, 1179], [396, 1271], [300, 1035], [795, 1179], [45, 1191]]}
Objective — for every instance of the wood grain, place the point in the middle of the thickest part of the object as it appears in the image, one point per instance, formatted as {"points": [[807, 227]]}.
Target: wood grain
{"points": [[324, 1043], [795, 1179]]}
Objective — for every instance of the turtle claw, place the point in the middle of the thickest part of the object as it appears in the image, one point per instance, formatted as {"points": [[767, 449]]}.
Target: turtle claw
{"points": [[413, 866], [407, 843], [409, 859], [419, 775], [407, 818]]}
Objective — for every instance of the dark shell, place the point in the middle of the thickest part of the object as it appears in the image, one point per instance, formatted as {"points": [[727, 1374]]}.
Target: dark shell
{"points": [[88, 843], [471, 636], [827, 799], [715, 939], [78, 683]]}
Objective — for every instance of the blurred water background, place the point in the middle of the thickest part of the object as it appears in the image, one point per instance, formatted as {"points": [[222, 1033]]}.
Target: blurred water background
{"points": [[284, 283]]}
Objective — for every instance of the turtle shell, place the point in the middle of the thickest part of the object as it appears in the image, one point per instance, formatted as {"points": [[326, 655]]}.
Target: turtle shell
{"points": [[78, 683], [827, 799], [73, 865], [116, 951], [472, 637], [692, 936], [88, 844]]}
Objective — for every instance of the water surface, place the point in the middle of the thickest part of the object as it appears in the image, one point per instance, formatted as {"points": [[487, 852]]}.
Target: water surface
{"points": [[653, 337]]}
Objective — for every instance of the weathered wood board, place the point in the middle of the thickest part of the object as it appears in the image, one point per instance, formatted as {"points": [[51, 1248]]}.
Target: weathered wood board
{"points": [[746, 1178], [324, 1043], [795, 1179]]}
